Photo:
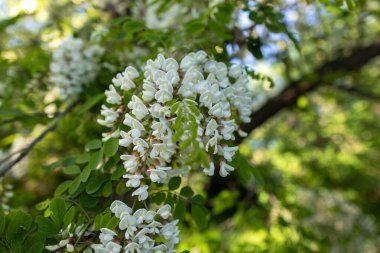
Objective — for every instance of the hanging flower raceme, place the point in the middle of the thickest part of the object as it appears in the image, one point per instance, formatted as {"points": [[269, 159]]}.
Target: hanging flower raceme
{"points": [[175, 117], [6, 193], [139, 231], [73, 65]]}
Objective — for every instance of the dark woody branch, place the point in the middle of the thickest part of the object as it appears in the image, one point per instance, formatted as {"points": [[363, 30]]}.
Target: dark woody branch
{"points": [[288, 98]]}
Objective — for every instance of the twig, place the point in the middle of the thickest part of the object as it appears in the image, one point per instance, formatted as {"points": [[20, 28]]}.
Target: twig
{"points": [[357, 92], [9, 156], [8, 165], [35, 114]]}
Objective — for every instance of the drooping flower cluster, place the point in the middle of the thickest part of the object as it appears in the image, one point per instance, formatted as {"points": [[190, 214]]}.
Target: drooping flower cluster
{"points": [[6, 194], [175, 117], [73, 65], [329, 216], [144, 231]]}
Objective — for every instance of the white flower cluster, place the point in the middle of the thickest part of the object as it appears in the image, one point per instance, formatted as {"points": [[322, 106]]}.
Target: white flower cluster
{"points": [[144, 231], [6, 193], [73, 65], [333, 218], [174, 111], [69, 238]]}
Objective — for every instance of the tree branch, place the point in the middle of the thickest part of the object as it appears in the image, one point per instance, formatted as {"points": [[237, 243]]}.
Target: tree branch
{"points": [[5, 167], [288, 97], [36, 114], [357, 92]]}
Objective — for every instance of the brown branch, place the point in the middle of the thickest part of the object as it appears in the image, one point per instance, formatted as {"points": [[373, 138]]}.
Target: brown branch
{"points": [[357, 92], [287, 98], [35, 114], [5, 167]]}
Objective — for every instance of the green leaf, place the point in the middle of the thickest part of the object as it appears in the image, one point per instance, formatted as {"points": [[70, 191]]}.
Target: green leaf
{"points": [[52, 166], [90, 103], [2, 221], [74, 185], [133, 26], [111, 163], [159, 197], [43, 205], [83, 158], [71, 170], [178, 134], [62, 187], [111, 146], [121, 188], [69, 216], [112, 223], [94, 144], [199, 215], [180, 210], [85, 173], [118, 173], [195, 26], [47, 226], [95, 159], [350, 4], [254, 46], [18, 226], [174, 183], [184, 144], [94, 184], [97, 221], [186, 191], [105, 220], [223, 15], [170, 199], [198, 199], [107, 189], [34, 243], [58, 210], [174, 108], [64, 162], [88, 201]]}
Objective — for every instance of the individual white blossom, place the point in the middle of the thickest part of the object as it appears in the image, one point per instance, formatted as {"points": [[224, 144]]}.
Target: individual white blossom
{"points": [[110, 116], [138, 108], [133, 180], [106, 235], [113, 96], [164, 211], [119, 208], [159, 174], [210, 170], [228, 152], [225, 169], [141, 193]]}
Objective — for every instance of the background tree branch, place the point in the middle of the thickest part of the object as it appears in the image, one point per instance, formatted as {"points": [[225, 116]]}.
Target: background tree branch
{"points": [[286, 99], [6, 166]]}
